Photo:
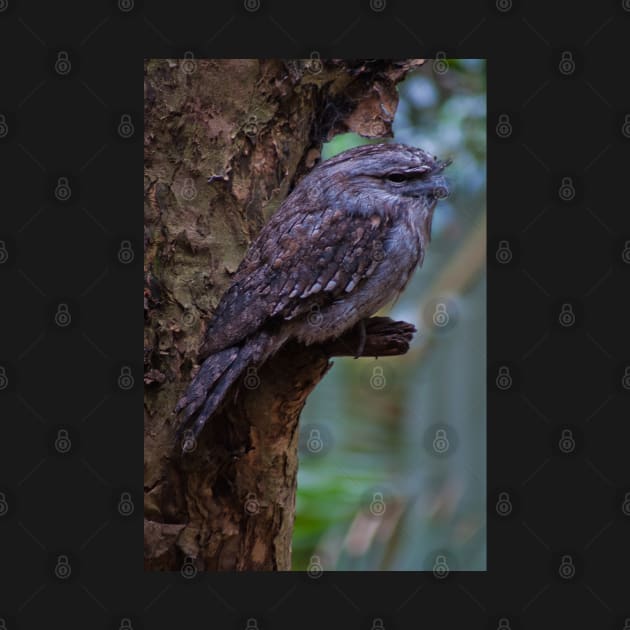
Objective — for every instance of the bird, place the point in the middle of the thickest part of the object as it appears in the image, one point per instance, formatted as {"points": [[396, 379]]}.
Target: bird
{"points": [[342, 245]]}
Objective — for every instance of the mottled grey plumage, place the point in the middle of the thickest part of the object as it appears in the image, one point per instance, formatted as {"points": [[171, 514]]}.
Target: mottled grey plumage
{"points": [[342, 245]]}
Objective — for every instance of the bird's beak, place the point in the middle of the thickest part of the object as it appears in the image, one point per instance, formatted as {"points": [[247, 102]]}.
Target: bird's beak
{"points": [[434, 186]]}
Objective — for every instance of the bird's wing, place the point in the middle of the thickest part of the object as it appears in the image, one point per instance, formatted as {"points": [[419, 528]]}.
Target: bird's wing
{"points": [[297, 263]]}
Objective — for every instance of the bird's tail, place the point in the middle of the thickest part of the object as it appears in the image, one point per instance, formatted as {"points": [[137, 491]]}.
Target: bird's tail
{"points": [[215, 377]]}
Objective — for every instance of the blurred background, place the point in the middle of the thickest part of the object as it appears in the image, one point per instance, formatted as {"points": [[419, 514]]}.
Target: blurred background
{"points": [[392, 472]]}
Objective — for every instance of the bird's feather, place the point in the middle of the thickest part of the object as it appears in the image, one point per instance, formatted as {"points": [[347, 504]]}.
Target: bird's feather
{"points": [[307, 264]]}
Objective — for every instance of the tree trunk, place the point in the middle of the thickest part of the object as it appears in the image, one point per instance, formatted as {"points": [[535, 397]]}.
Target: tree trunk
{"points": [[224, 142]]}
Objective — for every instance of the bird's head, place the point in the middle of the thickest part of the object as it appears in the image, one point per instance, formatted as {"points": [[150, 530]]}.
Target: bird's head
{"points": [[379, 177]]}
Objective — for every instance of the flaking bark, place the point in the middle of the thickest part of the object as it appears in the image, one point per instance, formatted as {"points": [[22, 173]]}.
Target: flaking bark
{"points": [[253, 128]]}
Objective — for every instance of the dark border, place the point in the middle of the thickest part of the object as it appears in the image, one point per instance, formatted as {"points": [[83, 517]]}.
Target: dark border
{"points": [[556, 195]]}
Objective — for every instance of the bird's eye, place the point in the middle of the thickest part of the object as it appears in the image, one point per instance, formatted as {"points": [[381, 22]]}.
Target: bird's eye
{"points": [[397, 177]]}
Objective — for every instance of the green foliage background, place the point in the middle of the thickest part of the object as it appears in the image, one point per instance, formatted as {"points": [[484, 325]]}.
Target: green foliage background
{"points": [[373, 492]]}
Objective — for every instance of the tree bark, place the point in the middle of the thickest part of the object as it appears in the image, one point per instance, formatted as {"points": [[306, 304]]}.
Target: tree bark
{"points": [[224, 142]]}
